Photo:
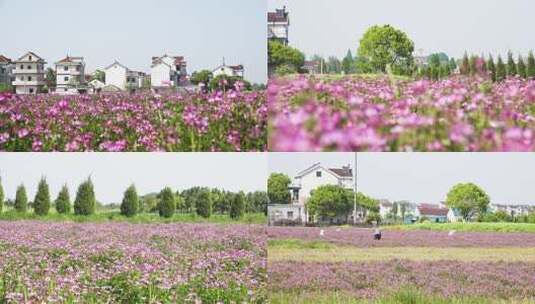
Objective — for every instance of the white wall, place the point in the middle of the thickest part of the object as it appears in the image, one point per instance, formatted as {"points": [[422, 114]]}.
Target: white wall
{"points": [[310, 182], [116, 75], [159, 74]]}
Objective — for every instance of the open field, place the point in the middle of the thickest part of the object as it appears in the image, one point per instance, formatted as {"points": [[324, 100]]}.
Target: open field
{"points": [[384, 113], [468, 227], [406, 266], [127, 263], [220, 121]]}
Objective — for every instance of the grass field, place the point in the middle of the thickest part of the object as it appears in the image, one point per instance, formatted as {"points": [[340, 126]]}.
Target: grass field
{"points": [[143, 218], [473, 227]]}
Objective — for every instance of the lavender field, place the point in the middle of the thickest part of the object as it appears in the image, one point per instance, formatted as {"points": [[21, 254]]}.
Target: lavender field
{"points": [[348, 266], [235, 120], [378, 113], [128, 263]]}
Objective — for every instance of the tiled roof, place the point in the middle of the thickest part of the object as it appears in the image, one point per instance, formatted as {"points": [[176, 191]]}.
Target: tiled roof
{"points": [[434, 210], [4, 59], [343, 172], [279, 15]]}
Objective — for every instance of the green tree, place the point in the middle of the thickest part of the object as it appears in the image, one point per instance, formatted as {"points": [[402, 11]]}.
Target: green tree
{"points": [[21, 199], [348, 63], [203, 76], [99, 75], [465, 65], [501, 72], [386, 46], [167, 204], [334, 66], [41, 202], [237, 206], [63, 201], [278, 191], [521, 67], [452, 65], [531, 65], [203, 203], [280, 54], [492, 68], [511, 66], [469, 199], [329, 201], [85, 201], [1, 196], [50, 78], [130, 203]]}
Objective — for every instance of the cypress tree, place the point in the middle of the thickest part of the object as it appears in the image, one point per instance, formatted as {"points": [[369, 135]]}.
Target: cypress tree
{"points": [[465, 65], [41, 202], [492, 68], [166, 205], [237, 206], [531, 65], [203, 203], [1, 196], [130, 204], [21, 199], [501, 72], [511, 66], [85, 201], [521, 67], [63, 201]]}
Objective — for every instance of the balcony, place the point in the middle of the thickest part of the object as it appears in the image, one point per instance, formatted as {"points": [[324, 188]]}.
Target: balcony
{"points": [[28, 83], [26, 71]]}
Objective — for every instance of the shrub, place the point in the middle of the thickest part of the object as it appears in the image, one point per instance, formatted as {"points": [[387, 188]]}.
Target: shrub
{"points": [[237, 206], [63, 202], [166, 206], [130, 204], [203, 204], [21, 199], [373, 217], [41, 202], [85, 201]]}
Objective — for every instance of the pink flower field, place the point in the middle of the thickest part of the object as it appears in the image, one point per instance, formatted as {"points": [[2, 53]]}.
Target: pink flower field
{"points": [[222, 121], [127, 263], [393, 114]]}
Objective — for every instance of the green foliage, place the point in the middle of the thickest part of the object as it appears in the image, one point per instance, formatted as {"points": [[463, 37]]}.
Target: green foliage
{"points": [[203, 203], [99, 75], [257, 202], [285, 69], [41, 202], [373, 218], [501, 72], [333, 65], [130, 203], [491, 68], [278, 191], [203, 76], [224, 82], [329, 201], [1, 196], [367, 202], [531, 65], [521, 67], [511, 66], [85, 201], [5, 88], [166, 205], [469, 199], [348, 63], [385, 46], [63, 201], [237, 206], [280, 54], [21, 199], [465, 65]]}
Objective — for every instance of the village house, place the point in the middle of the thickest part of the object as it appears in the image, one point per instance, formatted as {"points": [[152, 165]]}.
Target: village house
{"points": [[278, 25], [29, 74], [312, 67], [6, 70], [229, 70], [70, 75], [512, 209], [121, 78], [385, 208], [95, 86], [300, 191], [432, 213], [167, 72]]}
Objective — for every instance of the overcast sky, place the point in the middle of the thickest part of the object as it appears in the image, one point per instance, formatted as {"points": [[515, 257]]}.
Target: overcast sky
{"points": [[427, 177], [330, 27], [112, 173], [132, 31]]}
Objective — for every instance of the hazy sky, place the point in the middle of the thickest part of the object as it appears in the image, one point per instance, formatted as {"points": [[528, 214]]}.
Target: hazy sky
{"points": [[427, 177], [112, 173], [330, 27], [293, 163], [132, 31]]}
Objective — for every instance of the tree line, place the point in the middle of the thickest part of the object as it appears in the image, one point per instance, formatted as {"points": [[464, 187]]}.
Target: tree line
{"points": [[200, 200]]}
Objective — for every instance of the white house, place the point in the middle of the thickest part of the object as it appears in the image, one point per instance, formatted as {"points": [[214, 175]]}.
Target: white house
{"points": [[513, 209], [286, 214], [168, 71], [229, 70], [431, 212], [385, 208], [278, 25], [6, 70], [122, 78], [95, 86], [70, 75], [29, 74]]}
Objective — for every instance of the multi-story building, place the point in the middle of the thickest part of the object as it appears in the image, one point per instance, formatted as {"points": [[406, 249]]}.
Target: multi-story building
{"points": [[70, 75], [120, 78], [278, 25], [29, 74], [229, 70], [168, 71], [6, 70]]}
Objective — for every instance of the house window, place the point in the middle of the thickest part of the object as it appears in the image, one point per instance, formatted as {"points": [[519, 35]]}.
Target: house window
{"points": [[65, 68], [318, 173], [78, 68], [66, 78], [30, 57], [290, 214], [29, 67], [3, 70], [29, 78], [22, 67], [31, 91]]}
